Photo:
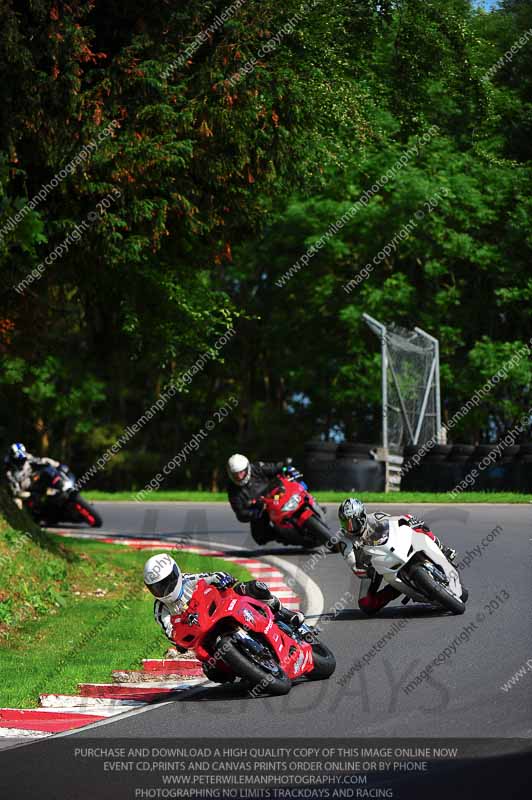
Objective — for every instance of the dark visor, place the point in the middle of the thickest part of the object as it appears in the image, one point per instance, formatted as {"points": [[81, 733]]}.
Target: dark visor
{"points": [[352, 525], [166, 585]]}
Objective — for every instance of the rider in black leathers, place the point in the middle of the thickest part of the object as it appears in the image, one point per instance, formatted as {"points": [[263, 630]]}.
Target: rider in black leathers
{"points": [[247, 482]]}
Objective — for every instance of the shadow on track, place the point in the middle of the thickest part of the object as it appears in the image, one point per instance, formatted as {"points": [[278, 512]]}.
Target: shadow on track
{"points": [[395, 612], [225, 692]]}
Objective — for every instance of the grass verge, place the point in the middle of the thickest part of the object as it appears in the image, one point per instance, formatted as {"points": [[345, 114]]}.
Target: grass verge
{"points": [[327, 497], [74, 612]]}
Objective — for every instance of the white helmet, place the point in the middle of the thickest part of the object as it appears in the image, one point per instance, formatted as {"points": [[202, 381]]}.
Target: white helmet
{"points": [[239, 469], [163, 578]]}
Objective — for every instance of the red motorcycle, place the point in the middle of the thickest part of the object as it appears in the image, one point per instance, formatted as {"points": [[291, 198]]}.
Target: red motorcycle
{"points": [[295, 515], [239, 638]]}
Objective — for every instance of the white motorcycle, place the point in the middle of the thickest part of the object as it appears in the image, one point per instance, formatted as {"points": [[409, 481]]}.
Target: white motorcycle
{"points": [[414, 565]]}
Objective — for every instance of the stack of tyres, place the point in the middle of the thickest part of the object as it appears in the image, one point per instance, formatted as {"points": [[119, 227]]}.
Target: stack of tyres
{"points": [[357, 470], [437, 471], [523, 469], [411, 475], [433, 473], [510, 469], [445, 467], [511, 472], [490, 476], [319, 465], [510, 465], [459, 461]]}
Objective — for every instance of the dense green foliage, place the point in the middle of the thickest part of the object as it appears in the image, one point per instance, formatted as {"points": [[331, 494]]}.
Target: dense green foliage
{"points": [[218, 177]]}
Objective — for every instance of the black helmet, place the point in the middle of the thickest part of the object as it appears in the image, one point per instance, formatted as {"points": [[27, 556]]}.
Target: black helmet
{"points": [[353, 517]]}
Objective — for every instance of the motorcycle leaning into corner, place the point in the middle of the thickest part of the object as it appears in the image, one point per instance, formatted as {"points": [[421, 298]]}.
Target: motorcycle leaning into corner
{"points": [[295, 515], [238, 637], [413, 564], [54, 497]]}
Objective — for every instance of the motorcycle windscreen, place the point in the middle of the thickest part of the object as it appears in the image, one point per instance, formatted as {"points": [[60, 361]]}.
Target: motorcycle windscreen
{"points": [[379, 533]]}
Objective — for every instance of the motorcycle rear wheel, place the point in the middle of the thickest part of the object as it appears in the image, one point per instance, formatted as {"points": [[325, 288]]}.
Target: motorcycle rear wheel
{"points": [[231, 651], [430, 587]]}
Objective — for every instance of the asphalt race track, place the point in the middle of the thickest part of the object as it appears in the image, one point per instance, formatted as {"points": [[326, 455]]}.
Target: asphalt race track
{"points": [[462, 697], [461, 700]]}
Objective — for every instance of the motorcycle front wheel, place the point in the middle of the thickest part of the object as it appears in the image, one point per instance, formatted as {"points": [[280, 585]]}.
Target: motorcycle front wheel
{"points": [[324, 662], [317, 531], [436, 591], [262, 680]]}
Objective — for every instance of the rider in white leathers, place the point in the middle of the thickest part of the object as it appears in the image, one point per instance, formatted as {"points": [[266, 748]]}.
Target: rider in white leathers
{"points": [[359, 528], [20, 469]]}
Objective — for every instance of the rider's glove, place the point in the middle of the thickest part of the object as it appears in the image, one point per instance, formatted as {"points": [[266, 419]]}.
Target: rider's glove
{"points": [[415, 522], [223, 580], [291, 471], [255, 510]]}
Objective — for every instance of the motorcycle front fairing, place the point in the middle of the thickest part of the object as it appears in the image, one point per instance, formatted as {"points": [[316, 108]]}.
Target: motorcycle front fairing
{"points": [[289, 504], [212, 611], [391, 552], [49, 481], [388, 552], [68, 480]]}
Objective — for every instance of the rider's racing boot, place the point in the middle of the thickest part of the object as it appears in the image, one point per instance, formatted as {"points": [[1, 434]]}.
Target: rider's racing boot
{"points": [[293, 618], [449, 553]]}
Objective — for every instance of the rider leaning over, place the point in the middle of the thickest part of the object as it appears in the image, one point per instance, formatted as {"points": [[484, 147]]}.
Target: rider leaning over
{"points": [[247, 481], [173, 591], [359, 528], [20, 467]]}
